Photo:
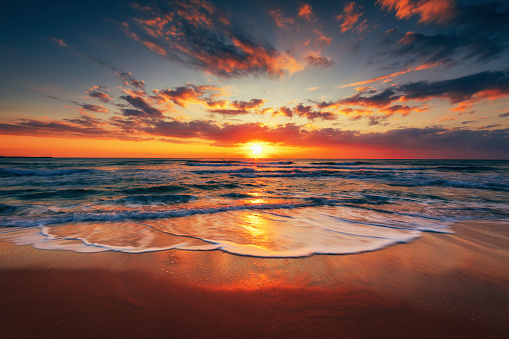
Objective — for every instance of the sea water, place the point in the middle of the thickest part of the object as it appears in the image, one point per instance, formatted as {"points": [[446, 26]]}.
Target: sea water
{"points": [[266, 208]]}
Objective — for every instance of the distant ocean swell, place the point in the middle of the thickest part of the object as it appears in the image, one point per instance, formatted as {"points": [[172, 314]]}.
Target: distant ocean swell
{"points": [[265, 208]]}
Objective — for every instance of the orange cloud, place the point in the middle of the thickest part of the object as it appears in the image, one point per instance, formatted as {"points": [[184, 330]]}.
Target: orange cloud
{"points": [[306, 12], [154, 48], [351, 14], [392, 75], [280, 20], [199, 35], [60, 42], [322, 40], [428, 10]]}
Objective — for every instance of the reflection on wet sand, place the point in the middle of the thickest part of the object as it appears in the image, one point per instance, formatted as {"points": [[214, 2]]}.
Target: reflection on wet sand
{"points": [[257, 226]]}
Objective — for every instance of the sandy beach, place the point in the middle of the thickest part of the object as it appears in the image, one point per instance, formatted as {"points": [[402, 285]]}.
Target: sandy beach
{"points": [[441, 285]]}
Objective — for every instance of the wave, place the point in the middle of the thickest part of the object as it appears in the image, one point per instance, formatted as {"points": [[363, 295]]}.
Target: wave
{"points": [[465, 168], [153, 189], [10, 209], [225, 163], [491, 186], [237, 196], [261, 233], [155, 199], [74, 193], [214, 186], [335, 163], [141, 214], [45, 173]]}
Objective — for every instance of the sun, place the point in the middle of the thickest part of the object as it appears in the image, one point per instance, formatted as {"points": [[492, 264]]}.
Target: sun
{"points": [[256, 149]]}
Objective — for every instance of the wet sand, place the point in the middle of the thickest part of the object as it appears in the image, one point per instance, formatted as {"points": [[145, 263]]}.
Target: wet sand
{"points": [[440, 285]]}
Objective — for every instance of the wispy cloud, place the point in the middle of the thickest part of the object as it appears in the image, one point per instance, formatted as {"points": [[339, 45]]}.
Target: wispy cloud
{"points": [[306, 12], [350, 16], [199, 35], [281, 20], [427, 10], [469, 34]]}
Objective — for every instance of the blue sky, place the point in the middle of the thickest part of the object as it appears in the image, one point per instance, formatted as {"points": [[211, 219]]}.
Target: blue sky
{"points": [[363, 79]]}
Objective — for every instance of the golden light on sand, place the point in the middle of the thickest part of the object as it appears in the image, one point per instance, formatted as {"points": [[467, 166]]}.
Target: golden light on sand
{"points": [[256, 149]]}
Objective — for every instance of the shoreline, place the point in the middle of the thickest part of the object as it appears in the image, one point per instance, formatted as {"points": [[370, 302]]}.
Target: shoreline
{"points": [[439, 284]]}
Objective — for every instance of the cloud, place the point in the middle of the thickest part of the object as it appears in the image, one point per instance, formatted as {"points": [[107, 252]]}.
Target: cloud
{"points": [[316, 60], [463, 91], [199, 35], [142, 108], [504, 115], [474, 33], [322, 40], [86, 121], [189, 94], [252, 104], [376, 120], [490, 126], [101, 96], [95, 108], [129, 80], [380, 99], [395, 74], [311, 114], [437, 141], [239, 107], [280, 20], [283, 111], [60, 42], [428, 10], [350, 16], [308, 112], [312, 89], [484, 85], [306, 12]]}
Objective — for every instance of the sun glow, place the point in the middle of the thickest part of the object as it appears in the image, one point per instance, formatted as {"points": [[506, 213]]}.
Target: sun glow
{"points": [[256, 149]]}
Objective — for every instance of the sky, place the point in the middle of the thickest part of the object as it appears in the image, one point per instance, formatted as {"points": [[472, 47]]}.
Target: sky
{"points": [[303, 79]]}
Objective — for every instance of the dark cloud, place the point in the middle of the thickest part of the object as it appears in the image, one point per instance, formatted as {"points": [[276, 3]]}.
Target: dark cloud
{"points": [[464, 91], [319, 61], [474, 33], [246, 105], [468, 122], [101, 96], [86, 121], [503, 115], [199, 35], [490, 126], [95, 108], [488, 85], [376, 119], [225, 111], [444, 142], [129, 80], [143, 108], [379, 100], [184, 95], [285, 111], [311, 114], [238, 107], [74, 128]]}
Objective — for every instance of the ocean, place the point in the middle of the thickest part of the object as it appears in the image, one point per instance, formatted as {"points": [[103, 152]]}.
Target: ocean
{"points": [[263, 208]]}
